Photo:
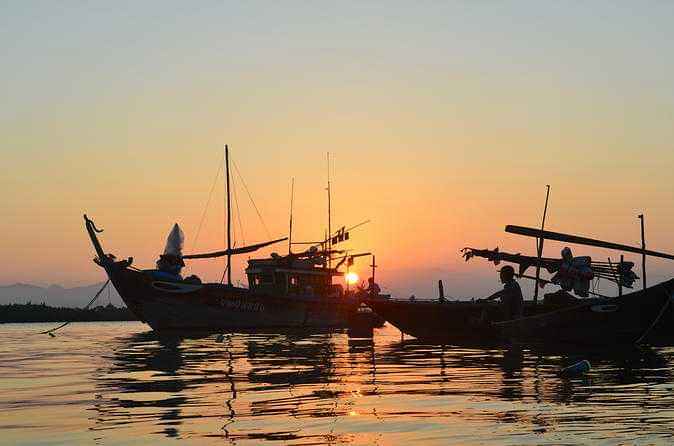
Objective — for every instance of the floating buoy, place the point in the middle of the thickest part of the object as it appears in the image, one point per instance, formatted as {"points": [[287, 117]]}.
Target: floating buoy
{"points": [[577, 369]]}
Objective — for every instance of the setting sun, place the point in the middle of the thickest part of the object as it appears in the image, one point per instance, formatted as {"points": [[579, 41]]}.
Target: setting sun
{"points": [[351, 278]]}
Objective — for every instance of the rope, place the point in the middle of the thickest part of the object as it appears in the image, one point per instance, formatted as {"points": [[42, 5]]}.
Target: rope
{"points": [[238, 217], [203, 215], [656, 320], [51, 332], [222, 279], [234, 213], [243, 182]]}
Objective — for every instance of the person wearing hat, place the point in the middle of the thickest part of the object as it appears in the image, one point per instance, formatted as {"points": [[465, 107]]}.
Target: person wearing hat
{"points": [[511, 294], [372, 287]]}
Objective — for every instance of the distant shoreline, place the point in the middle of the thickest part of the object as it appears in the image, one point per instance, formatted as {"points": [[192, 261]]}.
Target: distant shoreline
{"points": [[30, 312]]}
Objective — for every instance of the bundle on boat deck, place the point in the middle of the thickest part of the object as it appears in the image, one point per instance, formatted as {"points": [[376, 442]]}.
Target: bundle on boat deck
{"points": [[569, 268]]}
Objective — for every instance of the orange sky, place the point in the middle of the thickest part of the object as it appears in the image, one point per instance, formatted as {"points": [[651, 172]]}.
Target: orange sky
{"points": [[445, 123]]}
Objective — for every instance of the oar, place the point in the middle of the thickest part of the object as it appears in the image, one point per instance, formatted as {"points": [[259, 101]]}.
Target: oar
{"points": [[546, 282], [569, 238]]}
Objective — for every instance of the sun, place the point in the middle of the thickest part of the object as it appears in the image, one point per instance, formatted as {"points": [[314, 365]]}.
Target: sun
{"points": [[351, 278]]}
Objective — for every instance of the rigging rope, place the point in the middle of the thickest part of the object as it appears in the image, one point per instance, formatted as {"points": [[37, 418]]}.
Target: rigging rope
{"points": [[656, 320], [243, 182], [224, 271], [51, 332], [238, 216], [203, 215]]}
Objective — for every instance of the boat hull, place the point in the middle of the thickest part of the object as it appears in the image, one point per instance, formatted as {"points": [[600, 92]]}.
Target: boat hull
{"points": [[171, 306], [428, 320], [635, 317], [623, 319]]}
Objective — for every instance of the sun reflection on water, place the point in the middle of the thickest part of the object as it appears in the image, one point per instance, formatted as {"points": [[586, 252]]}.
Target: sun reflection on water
{"points": [[126, 384]]}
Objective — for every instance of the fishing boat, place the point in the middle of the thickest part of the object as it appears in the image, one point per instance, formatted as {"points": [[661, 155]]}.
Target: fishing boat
{"points": [[284, 291], [640, 316]]}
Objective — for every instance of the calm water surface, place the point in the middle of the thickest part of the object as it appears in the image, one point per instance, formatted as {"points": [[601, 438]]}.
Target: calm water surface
{"points": [[119, 383]]}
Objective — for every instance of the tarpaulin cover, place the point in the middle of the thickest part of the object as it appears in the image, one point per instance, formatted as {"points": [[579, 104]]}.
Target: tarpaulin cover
{"points": [[175, 242]]}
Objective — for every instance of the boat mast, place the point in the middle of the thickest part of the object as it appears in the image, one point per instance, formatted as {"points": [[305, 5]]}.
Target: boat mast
{"points": [[229, 222], [290, 229], [643, 253], [374, 265], [540, 244], [329, 216]]}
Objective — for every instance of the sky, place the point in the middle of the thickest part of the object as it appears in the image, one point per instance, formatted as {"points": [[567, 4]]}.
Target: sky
{"points": [[444, 121]]}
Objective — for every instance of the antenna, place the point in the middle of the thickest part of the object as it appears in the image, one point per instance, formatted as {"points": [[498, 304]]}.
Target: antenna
{"points": [[374, 265], [329, 214], [290, 229]]}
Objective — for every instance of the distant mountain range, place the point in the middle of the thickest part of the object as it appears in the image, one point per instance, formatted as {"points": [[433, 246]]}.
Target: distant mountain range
{"points": [[57, 296]]}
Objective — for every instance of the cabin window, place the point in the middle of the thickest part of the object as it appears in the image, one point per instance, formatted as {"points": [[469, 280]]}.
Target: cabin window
{"points": [[293, 282], [263, 279]]}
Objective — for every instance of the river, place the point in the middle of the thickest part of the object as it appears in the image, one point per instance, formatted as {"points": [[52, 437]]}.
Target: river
{"points": [[119, 383]]}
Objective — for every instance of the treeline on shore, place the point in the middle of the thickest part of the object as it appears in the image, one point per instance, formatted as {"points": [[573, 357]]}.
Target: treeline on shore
{"points": [[30, 312]]}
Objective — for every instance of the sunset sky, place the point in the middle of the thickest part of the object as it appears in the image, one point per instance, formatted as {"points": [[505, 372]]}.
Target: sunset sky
{"points": [[445, 121]]}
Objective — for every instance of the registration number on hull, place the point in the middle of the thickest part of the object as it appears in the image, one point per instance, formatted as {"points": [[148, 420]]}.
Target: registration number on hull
{"points": [[242, 305]]}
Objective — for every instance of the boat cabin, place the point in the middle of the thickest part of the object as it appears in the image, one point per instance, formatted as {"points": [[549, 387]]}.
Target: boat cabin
{"points": [[290, 275]]}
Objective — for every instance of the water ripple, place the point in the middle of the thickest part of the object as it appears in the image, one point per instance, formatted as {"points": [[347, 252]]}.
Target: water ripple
{"points": [[119, 383]]}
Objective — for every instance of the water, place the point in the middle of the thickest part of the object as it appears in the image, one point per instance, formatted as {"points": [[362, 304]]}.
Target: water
{"points": [[118, 383]]}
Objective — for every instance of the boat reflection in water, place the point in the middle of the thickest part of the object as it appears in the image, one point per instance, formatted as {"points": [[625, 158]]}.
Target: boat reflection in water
{"points": [[325, 388], [231, 383]]}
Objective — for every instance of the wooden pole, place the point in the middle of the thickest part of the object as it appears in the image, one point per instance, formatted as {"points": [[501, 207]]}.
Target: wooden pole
{"points": [[643, 248], [441, 291], [617, 277], [374, 265], [290, 229], [620, 279], [229, 221], [540, 243], [575, 239], [524, 276], [329, 215]]}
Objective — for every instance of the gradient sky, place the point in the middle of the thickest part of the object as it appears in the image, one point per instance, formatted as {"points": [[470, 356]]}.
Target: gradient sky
{"points": [[445, 121]]}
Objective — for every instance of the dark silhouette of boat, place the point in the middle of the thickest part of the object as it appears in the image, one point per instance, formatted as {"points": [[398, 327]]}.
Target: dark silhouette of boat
{"points": [[293, 290], [636, 317], [180, 305], [589, 321]]}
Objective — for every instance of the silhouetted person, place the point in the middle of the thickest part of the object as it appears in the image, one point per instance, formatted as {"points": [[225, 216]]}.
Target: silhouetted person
{"points": [[372, 287], [511, 294]]}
